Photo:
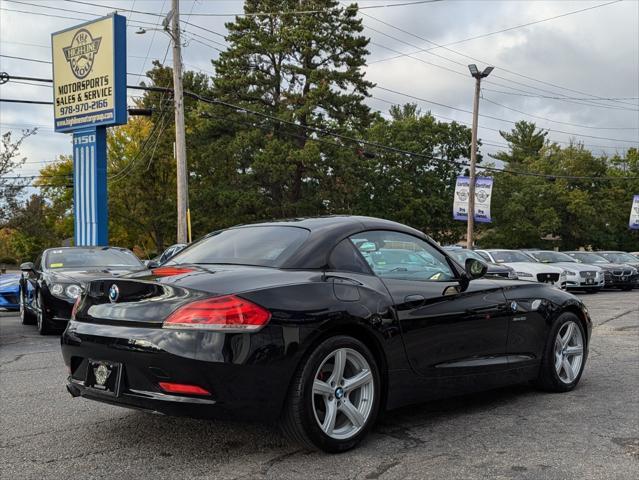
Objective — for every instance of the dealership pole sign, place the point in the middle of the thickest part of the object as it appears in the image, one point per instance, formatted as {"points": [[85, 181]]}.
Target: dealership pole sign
{"points": [[89, 95], [634, 214], [483, 195]]}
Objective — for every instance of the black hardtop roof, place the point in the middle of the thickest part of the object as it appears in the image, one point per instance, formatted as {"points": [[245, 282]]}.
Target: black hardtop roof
{"points": [[327, 231]]}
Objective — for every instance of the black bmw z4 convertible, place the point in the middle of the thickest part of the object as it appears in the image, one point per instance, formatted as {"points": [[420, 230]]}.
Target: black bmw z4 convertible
{"points": [[320, 324]]}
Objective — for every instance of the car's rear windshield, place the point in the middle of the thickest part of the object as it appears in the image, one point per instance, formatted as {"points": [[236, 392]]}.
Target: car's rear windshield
{"points": [[266, 246], [90, 257]]}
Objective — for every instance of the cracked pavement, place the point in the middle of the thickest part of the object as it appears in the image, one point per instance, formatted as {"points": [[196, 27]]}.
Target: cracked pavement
{"points": [[516, 432]]}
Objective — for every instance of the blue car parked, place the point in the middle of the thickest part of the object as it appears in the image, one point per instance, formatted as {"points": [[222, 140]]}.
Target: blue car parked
{"points": [[10, 291]]}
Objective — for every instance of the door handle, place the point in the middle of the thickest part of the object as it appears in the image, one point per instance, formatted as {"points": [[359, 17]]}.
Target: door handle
{"points": [[414, 301]]}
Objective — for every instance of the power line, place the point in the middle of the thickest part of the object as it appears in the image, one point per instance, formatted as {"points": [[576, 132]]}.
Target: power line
{"points": [[13, 57], [501, 68], [359, 141], [463, 74], [413, 97], [264, 14], [556, 121], [483, 127], [501, 119], [557, 98]]}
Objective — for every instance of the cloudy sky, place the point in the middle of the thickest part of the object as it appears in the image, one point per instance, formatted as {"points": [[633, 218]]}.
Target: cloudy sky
{"points": [[576, 75]]}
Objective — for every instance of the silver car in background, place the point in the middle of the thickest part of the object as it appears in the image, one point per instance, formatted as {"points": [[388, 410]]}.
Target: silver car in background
{"points": [[578, 275], [526, 267]]}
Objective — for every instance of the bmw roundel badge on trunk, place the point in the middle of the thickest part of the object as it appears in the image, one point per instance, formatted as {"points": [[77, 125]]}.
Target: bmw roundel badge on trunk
{"points": [[114, 293]]}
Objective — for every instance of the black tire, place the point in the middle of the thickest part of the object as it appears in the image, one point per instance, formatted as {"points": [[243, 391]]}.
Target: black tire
{"points": [[42, 319], [299, 421], [626, 289], [548, 378], [26, 316]]}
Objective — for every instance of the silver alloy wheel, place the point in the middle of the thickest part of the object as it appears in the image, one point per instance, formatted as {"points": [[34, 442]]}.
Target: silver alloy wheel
{"points": [[343, 393], [569, 352]]}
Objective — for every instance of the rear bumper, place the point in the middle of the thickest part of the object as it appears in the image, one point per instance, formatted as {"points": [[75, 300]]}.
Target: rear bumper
{"points": [[247, 374]]}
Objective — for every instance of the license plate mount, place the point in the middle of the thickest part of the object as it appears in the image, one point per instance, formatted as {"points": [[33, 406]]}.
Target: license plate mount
{"points": [[104, 376]]}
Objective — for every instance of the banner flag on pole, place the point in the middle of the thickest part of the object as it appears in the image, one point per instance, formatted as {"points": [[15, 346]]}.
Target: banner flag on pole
{"points": [[483, 195], [634, 214]]}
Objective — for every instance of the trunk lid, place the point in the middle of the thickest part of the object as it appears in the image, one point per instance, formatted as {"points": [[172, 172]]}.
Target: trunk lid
{"points": [[148, 298]]}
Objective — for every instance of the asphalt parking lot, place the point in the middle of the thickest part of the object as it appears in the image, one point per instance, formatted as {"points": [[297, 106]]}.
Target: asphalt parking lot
{"points": [[518, 432]]}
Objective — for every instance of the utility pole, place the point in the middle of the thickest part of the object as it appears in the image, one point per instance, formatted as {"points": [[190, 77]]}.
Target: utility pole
{"points": [[473, 153], [180, 137]]}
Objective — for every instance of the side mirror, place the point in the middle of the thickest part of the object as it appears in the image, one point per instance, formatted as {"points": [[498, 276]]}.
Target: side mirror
{"points": [[27, 267], [475, 269], [151, 264], [368, 247]]}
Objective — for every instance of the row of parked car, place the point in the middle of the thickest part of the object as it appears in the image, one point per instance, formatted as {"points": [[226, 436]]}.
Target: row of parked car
{"points": [[46, 290], [571, 270]]}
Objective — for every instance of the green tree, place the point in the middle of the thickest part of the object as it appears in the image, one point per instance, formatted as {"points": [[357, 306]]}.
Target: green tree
{"points": [[303, 69], [56, 189], [525, 141], [415, 189], [10, 162]]}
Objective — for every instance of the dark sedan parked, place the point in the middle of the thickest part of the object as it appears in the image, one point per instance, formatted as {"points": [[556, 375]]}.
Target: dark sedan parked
{"points": [[304, 320], [50, 286], [616, 275], [494, 269]]}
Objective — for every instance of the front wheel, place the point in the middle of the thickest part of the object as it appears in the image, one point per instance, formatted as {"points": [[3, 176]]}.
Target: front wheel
{"points": [[334, 397], [42, 319], [26, 316], [565, 355]]}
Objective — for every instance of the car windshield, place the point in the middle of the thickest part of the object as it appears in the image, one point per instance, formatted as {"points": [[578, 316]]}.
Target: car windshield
{"points": [[461, 255], [552, 257], [266, 246], [510, 256], [91, 257], [590, 258], [619, 257]]}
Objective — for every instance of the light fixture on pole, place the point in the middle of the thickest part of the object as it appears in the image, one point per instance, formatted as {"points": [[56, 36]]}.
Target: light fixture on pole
{"points": [[477, 75]]}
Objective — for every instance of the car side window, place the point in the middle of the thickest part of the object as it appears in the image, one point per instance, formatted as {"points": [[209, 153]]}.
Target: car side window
{"points": [[346, 258], [401, 256], [38, 263]]}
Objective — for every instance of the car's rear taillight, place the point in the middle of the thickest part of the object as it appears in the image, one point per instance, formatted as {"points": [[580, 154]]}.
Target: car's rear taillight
{"points": [[228, 313], [183, 388]]}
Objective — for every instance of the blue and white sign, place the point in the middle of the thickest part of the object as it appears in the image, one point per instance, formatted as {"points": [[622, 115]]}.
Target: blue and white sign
{"points": [[483, 195], [634, 214], [89, 186]]}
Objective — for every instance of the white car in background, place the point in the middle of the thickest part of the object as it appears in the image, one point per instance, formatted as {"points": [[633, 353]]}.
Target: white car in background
{"points": [[526, 267], [578, 276]]}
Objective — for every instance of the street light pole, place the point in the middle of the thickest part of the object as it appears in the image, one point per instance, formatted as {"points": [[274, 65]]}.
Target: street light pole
{"points": [[180, 136], [470, 227]]}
